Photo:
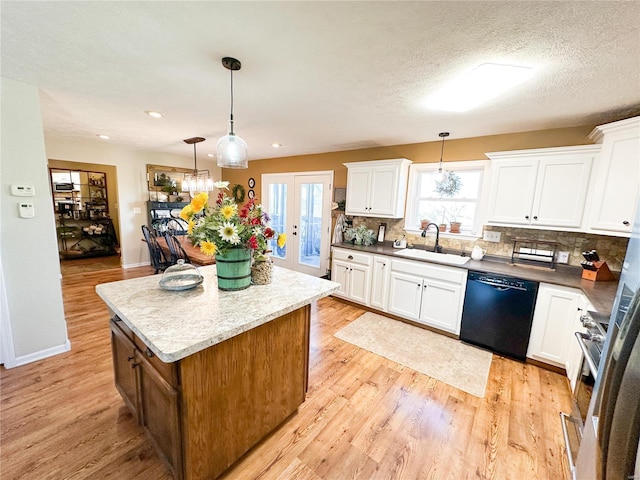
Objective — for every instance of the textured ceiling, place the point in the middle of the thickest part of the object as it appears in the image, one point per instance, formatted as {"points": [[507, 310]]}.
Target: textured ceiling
{"points": [[316, 76]]}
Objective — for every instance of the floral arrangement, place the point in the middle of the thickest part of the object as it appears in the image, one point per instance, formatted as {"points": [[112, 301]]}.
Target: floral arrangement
{"points": [[227, 225]]}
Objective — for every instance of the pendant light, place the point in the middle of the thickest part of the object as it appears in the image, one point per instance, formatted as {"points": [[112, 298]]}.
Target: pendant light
{"points": [[232, 150], [438, 176], [199, 180]]}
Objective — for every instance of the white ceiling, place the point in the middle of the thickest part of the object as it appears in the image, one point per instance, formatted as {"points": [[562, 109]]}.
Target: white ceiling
{"points": [[316, 76]]}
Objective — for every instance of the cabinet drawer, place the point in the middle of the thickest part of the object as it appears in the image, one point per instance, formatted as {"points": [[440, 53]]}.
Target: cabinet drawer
{"points": [[168, 371], [351, 256], [120, 325], [428, 270]]}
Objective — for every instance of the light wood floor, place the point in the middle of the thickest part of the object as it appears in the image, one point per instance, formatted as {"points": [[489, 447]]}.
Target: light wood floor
{"points": [[365, 417]]}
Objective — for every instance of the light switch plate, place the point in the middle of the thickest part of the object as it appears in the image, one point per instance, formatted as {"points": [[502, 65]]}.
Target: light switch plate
{"points": [[27, 210], [490, 236], [23, 190]]}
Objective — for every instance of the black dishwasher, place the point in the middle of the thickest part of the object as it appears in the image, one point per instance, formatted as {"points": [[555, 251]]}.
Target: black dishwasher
{"points": [[497, 313]]}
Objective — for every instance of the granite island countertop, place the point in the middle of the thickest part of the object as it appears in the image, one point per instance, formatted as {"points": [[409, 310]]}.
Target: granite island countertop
{"points": [[176, 324], [600, 294]]}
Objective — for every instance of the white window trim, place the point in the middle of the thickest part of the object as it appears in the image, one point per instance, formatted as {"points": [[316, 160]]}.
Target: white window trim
{"points": [[483, 199]]}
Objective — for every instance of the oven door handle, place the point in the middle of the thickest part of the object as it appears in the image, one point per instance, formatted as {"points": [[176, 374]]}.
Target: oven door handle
{"points": [[587, 355]]}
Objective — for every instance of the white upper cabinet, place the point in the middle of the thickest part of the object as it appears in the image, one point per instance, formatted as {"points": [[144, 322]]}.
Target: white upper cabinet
{"points": [[377, 188], [541, 188], [616, 179]]}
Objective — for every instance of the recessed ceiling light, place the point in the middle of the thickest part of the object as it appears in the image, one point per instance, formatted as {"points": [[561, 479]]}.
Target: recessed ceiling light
{"points": [[104, 137], [276, 145], [477, 86], [153, 114], [210, 155]]}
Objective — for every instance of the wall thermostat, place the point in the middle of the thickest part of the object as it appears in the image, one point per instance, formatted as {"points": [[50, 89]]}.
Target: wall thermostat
{"points": [[27, 210], [23, 190]]}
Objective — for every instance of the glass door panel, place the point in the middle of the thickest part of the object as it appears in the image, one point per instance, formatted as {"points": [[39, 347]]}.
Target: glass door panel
{"points": [[277, 209], [310, 222]]}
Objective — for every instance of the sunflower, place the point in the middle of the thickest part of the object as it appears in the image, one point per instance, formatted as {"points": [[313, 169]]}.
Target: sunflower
{"points": [[199, 202], [191, 224], [186, 212], [228, 211], [208, 248]]}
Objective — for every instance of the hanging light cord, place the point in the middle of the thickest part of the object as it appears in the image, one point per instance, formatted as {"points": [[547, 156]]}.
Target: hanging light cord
{"points": [[441, 152], [195, 160], [231, 119]]}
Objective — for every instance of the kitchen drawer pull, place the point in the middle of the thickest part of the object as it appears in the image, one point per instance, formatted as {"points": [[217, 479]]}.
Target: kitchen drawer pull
{"points": [[149, 353], [350, 257], [626, 223]]}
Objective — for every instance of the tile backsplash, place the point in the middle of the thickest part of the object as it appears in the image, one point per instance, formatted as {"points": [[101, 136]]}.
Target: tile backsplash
{"points": [[611, 249]]}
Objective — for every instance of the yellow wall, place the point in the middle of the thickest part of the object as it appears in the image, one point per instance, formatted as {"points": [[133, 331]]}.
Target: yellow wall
{"points": [[454, 150]]}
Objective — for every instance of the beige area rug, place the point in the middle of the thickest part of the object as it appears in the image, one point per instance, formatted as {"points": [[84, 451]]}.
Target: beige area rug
{"points": [[446, 359]]}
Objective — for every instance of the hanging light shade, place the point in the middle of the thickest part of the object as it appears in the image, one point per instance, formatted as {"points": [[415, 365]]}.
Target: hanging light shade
{"points": [[439, 174], [198, 180], [232, 150]]}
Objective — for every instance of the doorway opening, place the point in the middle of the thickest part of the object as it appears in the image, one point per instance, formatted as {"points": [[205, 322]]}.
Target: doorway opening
{"points": [[84, 199]]}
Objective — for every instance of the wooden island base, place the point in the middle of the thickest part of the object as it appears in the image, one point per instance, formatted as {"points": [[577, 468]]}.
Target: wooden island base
{"points": [[205, 411]]}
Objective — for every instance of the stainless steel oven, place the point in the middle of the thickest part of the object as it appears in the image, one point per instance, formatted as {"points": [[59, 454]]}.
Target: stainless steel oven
{"points": [[591, 343]]}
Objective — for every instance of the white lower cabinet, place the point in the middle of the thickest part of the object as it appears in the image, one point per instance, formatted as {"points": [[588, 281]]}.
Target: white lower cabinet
{"points": [[427, 293], [554, 323], [352, 270], [380, 282], [573, 362]]}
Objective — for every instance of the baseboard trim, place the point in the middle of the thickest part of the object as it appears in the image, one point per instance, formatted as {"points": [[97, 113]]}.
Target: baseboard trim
{"points": [[42, 354], [135, 265]]}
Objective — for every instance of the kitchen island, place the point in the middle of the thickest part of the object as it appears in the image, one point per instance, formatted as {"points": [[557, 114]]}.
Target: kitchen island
{"points": [[209, 373]]}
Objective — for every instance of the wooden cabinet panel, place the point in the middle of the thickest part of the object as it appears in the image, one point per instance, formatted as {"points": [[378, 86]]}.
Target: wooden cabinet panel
{"points": [[160, 408], [236, 392], [126, 380]]}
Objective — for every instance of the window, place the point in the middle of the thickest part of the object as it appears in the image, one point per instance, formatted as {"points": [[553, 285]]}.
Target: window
{"points": [[455, 198]]}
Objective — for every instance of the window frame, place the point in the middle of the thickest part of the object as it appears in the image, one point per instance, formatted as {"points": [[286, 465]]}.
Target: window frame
{"points": [[416, 169]]}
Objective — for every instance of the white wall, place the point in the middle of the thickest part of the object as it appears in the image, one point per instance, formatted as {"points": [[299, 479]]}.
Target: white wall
{"points": [[131, 167], [34, 315]]}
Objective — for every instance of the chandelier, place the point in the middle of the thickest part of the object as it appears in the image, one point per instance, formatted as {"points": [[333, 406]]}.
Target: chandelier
{"points": [[198, 180]]}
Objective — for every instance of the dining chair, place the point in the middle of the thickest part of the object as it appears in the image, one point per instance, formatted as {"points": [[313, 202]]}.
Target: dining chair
{"points": [[158, 259], [176, 248]]}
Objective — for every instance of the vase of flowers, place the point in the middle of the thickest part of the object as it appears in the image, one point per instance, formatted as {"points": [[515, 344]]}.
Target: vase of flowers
{"points": [[231, 233]]}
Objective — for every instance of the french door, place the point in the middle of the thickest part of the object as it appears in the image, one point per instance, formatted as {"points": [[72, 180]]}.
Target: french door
{"points": [[300, 206]]}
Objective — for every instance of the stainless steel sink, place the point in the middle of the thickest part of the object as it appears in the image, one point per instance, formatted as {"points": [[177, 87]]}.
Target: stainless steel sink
{"points": [[433, 257]]}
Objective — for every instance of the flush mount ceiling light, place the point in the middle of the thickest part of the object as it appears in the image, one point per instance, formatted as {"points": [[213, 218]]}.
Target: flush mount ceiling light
{"points": [[438, 175], [199, 180], [276, 145], [477, 86], [154, 114], [232, 150], [103, 137]]}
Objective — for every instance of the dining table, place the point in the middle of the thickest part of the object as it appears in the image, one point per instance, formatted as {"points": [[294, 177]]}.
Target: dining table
{"points": [[195, 254]]}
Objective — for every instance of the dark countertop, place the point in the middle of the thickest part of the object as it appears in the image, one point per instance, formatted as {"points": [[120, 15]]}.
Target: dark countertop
{"points": [[600, 294]]}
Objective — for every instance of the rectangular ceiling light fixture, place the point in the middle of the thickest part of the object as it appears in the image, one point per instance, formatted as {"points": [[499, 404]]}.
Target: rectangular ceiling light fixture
{"points": [[477, 86]]}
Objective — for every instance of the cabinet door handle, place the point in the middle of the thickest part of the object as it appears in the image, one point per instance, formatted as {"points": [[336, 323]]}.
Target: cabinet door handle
{"points": [[535, 218], [424, 286], [134, 365], [526, 217], [419, 285], [149, 353], [350, 257], [130, 358], [626, 223]]}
